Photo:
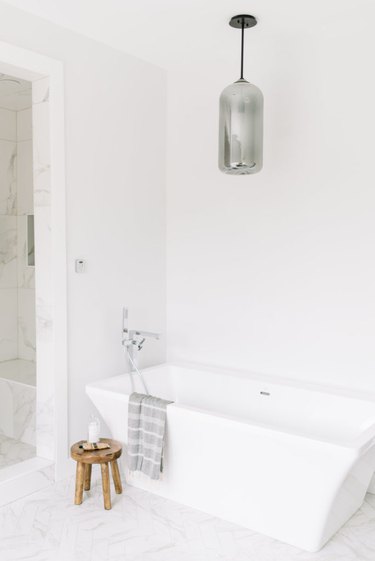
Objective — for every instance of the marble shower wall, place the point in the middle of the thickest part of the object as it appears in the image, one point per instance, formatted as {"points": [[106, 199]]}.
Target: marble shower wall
{"points": [[8, 236], [25, 206], [17, 411], [17, 285]]}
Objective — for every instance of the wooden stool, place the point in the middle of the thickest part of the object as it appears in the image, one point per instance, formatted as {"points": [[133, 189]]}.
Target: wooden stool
{"points": [[85, 459]]}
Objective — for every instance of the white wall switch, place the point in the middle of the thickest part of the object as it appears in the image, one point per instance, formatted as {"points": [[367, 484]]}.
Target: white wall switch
{"points": [[80, 266]]}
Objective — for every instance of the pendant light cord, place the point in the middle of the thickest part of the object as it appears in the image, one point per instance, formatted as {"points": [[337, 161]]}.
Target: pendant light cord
{"points": [[242, 38]]}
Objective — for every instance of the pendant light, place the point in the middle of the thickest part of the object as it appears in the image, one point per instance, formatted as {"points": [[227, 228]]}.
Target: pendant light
{"points": [[241, 119]]}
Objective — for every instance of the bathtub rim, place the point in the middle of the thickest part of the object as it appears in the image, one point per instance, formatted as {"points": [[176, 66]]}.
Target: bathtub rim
{"points": [[357, 445], [331, 389]]}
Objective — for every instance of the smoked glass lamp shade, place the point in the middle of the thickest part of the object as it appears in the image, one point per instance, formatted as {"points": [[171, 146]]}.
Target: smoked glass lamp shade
{"points": [[241, 129]]}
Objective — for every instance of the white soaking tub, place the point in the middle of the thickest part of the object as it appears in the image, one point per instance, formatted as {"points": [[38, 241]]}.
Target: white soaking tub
{"points": [[288, 460]]}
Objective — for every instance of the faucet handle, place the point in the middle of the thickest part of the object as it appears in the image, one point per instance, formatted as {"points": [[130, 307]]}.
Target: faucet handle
{"points": [[140, 344], [147, 334]]}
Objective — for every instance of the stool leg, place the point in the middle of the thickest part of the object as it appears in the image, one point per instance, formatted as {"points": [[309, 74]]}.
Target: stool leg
{"points": [[106, 487], [87, 477], [79, 483], [116, 477]]}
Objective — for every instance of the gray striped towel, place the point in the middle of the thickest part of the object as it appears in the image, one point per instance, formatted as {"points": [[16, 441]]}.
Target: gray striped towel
{"points": [[147, 416]]}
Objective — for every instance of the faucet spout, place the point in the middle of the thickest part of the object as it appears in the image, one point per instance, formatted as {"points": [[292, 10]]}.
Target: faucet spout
{"points": [[133, 341], [145, 334], [133, 336]]}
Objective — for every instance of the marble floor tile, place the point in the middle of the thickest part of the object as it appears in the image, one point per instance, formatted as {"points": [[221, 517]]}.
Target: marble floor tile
{"points": [[13, 451], [47, 526]]}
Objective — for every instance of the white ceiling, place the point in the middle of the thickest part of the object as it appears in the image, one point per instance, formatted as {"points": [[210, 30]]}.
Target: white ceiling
{"points": [[15, 94], [191, 32]]}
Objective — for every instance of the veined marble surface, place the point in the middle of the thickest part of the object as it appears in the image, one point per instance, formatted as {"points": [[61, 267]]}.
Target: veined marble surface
{"points": [[8, 251], [8, 323], [18, 370], [8, 188], [18, 400], [46, 526], [17, 411], [13, 451], [26, 274], [26, 324]]}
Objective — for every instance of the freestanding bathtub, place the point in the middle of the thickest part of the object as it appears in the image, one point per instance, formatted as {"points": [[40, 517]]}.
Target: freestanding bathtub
{"points": [[288, 460]]}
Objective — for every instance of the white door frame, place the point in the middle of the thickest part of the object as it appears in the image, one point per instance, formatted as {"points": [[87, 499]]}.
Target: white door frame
{"points": [[52, 355]]}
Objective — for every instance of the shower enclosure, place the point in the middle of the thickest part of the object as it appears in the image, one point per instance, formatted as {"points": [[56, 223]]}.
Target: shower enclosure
{"points": [[33, 291], [17, 274]]}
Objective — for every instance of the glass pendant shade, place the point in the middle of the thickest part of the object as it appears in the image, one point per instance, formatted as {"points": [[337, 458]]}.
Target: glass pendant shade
{"points": [[241, 129]]}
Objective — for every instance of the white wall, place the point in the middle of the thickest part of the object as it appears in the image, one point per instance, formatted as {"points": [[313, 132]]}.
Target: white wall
{"points": [[271, 272], [115, 170], [275, 272]]}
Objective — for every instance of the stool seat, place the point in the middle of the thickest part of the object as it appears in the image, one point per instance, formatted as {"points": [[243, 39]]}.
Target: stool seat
{"points": [[96, 456], [85, 460]]}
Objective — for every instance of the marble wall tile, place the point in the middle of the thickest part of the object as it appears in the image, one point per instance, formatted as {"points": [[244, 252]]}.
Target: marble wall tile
{"points": [[8, 189], [8, 324], [26, 273], [17, 287], [25, 198], [8, 252], [25, 205], [6, 408], [22, 371], [24, 125], [24, 400], [43, 255], [41, 154], [17, 411], [8, 124], [26, 323]]}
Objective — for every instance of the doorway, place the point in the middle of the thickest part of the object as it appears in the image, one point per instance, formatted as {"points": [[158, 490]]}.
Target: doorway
{"points": [[32, 220]]}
